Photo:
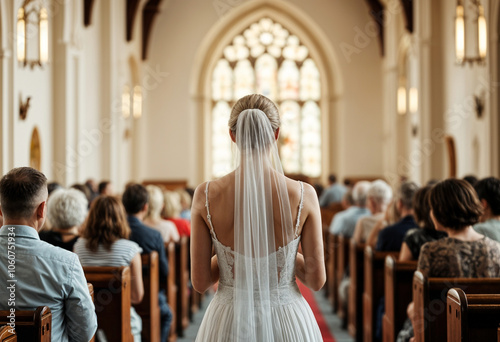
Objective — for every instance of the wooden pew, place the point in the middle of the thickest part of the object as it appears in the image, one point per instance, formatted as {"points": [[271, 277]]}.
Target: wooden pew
{"points": [[355, 306], [7, 334], [171, 289], [182, 278], [149, 308], [373, 289], [429, 298], [30, 325], [342, 260], [331, 271], [472, 317], [327, 215], [112, 300], [398, 294], [91, 291]]}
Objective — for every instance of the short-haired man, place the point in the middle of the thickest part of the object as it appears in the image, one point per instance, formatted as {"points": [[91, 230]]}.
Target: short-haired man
{"points": [[37, 273], [135, 200], [488, 191], [332, 194], [391, 237], [344, 222]]}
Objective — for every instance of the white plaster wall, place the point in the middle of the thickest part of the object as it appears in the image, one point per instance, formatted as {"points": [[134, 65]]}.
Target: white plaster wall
{"points": [[172, 124]]}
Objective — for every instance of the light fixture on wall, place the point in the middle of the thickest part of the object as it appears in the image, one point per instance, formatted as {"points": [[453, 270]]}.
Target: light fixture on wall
{"points": [[24, 35], [126, 102], [137, 104], [401, 100], [407, 100], [460, 34]]}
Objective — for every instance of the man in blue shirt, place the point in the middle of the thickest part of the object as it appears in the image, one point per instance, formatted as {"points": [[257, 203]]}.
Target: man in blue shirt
{"points": [[34, 273], [333, 194], [344, 222], [135, 200]]}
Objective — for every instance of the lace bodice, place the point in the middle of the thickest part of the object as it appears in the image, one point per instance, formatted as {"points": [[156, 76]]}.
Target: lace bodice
{"points": [[284, 260]]}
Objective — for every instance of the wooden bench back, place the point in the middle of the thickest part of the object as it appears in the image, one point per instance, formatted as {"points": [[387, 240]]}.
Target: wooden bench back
{"points": [[171, 288], [331, 270], [373, 290], [30, 325], [355, 307], [472, 317], [429, 297], [7, 334], [342, 259], [182, 279], [398, 294], [112, 300], [149, 308]]}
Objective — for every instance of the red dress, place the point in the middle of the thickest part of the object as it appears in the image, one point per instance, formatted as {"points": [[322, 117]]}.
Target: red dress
{"points": [[183, 226]]}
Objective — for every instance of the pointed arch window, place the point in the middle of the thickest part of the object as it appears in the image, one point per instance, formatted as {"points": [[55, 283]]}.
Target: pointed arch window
{"points": [[268, 59]]}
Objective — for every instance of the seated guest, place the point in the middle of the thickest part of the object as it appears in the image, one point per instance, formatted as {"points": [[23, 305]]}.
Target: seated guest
{"points": [[344, 222], [53, 186], [471, 179], [417, 237], [186, 200], [391, 237], [172, 212], [84, 189], [104, 243], [332, 194], [92, 186], [105, 188], [488, 191], [45, 275], [379, 196], [347, 200], [135, 200], [465, 253], [66, 210], [391, 216], [153, 218]]}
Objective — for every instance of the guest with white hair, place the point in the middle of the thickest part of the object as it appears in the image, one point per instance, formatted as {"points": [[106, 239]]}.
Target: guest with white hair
{"points": [[344, 222], [153, 217], [66, 210], [379, 196]]}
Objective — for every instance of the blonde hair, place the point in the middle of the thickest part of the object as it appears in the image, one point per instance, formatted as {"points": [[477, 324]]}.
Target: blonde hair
{"points": [[173, 206], [156, 202], [185, 198], [255, 101]]}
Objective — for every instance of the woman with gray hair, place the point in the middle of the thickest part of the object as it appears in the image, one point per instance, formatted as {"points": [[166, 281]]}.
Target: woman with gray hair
{"points": [[66, 210], [379, 196]]}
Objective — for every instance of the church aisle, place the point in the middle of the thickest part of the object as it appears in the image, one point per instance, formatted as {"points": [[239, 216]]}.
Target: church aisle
{"points": [[331, 319]]}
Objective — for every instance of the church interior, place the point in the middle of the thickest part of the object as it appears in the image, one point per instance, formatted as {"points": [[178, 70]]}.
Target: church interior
{"points": [[140, 91]]}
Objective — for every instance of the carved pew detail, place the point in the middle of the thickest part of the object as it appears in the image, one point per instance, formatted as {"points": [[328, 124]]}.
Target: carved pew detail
{"points": [[31, 325], [355, 307]]}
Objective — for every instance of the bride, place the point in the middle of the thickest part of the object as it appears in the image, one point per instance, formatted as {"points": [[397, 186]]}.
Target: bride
{"points": [[255, 218]]}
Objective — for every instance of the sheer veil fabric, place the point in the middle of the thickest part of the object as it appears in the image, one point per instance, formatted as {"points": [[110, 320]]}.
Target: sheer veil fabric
{"points": [[262, 224]]}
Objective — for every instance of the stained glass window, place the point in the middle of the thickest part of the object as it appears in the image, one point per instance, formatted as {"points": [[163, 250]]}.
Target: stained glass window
{"points": [[268, 59]]}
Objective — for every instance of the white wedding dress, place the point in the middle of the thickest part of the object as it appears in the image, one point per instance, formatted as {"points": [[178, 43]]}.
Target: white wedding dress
{"points": [[292, 317]]}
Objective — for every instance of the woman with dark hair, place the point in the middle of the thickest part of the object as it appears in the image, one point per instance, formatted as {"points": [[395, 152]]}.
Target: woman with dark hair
{"points": [[465, 253], [416, 238], [104, 242]]}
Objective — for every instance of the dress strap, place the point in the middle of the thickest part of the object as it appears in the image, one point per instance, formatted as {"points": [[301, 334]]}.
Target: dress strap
{"points": [[301, 205], [209, 217]]}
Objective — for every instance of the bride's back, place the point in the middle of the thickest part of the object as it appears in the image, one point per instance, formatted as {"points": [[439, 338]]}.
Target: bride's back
{"points": [[221, 200]]}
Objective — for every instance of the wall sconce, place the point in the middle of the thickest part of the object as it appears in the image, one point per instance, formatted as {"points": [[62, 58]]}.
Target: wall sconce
{"points": [[126, 102], [137, 104], [407, 101], [23, 19], [401, 100], [413, 100], [482, 34]]}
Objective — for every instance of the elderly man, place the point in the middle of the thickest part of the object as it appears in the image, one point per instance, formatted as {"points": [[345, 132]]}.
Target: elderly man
{"points": [[344, 222], [36, 272], [379, 197]]}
